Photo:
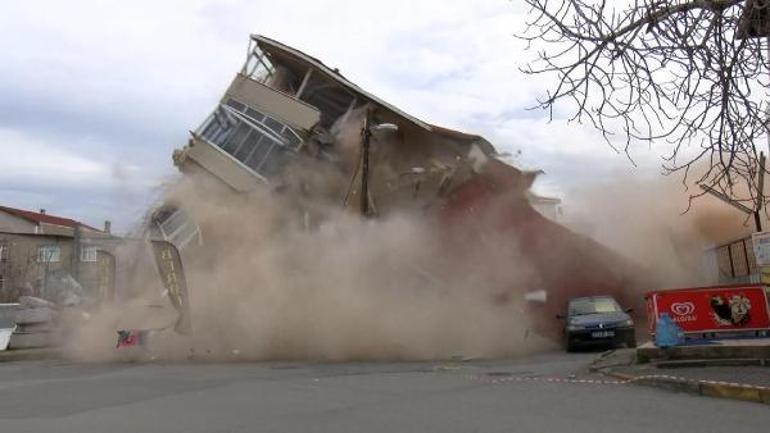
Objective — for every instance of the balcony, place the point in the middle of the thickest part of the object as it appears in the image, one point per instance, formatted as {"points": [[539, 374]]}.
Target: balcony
{"points": [[243, 148], [271, 102]]}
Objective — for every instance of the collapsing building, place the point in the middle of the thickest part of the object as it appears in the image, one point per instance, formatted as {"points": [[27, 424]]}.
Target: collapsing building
{"points": [[285, 106], [287, 120]]}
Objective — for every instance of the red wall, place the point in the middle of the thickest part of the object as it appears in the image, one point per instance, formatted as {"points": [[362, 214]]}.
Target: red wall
{"points": [[493, 205]]}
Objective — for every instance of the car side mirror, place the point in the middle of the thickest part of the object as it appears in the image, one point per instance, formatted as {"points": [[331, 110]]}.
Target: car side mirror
{"points": [[629, 310], [559, 316]]}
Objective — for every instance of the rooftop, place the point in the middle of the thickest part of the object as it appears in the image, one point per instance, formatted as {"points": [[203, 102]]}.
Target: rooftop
{"points": [[42, 217]]}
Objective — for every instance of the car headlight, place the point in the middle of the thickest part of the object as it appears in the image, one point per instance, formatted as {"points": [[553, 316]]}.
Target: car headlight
{"points": [[626, 323], [572, 327]]}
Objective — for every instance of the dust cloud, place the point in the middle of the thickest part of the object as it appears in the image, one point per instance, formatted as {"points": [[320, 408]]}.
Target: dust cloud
{"points": [[295, 274], [287, 275], [648, 221], [269, 284]]}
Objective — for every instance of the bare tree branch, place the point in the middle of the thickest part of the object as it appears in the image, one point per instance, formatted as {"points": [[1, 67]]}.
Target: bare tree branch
{"points": [[681, 72]]}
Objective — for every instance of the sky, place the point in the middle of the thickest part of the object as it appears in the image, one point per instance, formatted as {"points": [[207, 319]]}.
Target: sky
{"points": [[95, 95]]}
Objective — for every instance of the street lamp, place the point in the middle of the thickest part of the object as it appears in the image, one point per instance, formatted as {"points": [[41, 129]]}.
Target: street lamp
{"points": [[367, 132]]}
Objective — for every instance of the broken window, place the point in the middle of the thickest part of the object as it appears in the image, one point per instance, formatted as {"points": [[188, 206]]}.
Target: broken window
{"points": [[261, 143], [48, 254]]}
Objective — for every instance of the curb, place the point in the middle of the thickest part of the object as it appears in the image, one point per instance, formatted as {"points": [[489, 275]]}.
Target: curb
{"points": [[29, 354], [708, 388], [738, 362]]}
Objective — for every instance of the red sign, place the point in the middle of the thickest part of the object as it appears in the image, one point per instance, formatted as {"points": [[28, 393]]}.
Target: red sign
{"points": [[712, 309]]}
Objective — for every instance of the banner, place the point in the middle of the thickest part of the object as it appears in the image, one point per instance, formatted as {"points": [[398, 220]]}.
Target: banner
{"points": [[712, 309], [171, 273]]}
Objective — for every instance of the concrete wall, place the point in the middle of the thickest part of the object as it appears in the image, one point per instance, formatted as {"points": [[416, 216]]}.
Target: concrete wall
{"points": [[23, 274], [222, 165], [270, 101], [12, 223]]}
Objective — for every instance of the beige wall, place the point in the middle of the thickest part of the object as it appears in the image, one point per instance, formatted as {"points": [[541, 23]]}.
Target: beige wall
{"points": [[270, 101], [22, 270], [223, 166], [12, 223]]}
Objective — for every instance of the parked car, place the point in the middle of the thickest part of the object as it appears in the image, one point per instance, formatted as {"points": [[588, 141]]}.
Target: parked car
{"points": [[597, 320]]}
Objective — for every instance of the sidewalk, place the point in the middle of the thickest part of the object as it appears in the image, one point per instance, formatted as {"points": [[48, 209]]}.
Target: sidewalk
{"points": [[737, 379], [29, 354], [747, 348]]}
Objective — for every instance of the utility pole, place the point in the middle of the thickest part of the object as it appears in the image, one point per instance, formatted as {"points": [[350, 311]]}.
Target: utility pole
{"points": [[760, 190], [365, 166], [75, 258]]}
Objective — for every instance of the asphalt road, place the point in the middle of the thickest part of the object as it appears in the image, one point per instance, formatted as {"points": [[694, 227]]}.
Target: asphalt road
{"points": [[505, 396]]}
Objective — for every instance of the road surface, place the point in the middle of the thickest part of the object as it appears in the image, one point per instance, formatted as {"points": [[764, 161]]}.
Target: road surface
{"points": [[550, 392]]}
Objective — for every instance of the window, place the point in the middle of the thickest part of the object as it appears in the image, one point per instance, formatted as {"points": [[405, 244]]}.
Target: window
{"points": [[261, 145], [88, 254], [176, 226], [3, 252], [582, 306], [257, 67], [2, 283], [285, 132], [48, 254]]}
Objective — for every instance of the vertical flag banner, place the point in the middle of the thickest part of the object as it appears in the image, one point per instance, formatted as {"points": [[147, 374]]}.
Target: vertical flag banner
{"points": [[169, 264]]}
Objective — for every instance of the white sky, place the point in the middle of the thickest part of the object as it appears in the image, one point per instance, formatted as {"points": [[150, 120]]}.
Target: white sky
{"points": [[94, 95]]}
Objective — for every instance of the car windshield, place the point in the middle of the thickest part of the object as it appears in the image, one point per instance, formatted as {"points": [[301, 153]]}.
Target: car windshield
{"points": [[582, 306]]}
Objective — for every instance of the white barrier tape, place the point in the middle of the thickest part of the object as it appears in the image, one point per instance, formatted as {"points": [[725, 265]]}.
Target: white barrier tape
{"points": [[568, 380], [498, 380], [684, 379]]}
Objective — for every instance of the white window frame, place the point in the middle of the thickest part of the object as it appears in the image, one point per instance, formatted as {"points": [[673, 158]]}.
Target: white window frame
{"points": [[89, 253], [218, 142], [186, 230], [53, 257], [285, 128]]}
